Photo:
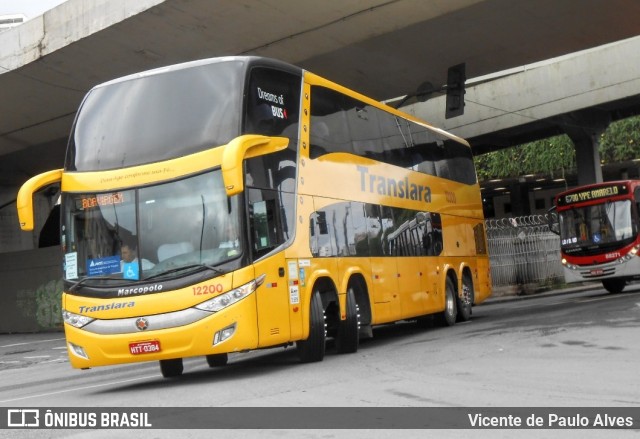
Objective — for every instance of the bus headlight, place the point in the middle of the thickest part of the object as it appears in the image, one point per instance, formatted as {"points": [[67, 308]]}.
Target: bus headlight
{"points": [[568, 265], [75, 320], [224, 300], [632, 253]]}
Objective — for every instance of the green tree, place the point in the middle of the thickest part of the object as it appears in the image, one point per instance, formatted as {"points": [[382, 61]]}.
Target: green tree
{"points": [[555, 156], [621, 141]]}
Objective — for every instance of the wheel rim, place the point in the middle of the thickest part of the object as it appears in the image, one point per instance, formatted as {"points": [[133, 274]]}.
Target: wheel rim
{"points": [[466, 294]]}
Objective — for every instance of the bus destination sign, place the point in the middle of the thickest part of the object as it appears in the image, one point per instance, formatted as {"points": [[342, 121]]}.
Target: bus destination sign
{"points": [[592, 194], [91, 201]]}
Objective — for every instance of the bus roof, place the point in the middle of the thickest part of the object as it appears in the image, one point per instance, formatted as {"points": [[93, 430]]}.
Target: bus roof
{"points": [[250, 60], [269, 62]]}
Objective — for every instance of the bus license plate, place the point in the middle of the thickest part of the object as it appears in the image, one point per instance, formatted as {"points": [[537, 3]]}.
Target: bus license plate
{"points": [[144, 347], [597, 272]]}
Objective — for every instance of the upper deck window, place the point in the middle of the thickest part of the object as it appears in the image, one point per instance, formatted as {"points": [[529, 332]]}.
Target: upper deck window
{"points": [[340, 123]]}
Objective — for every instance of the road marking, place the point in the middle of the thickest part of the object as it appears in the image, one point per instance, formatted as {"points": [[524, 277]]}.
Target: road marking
{"points": [[40, 395], [31, 342], [597, 299], [37, 356], [54, 360]]}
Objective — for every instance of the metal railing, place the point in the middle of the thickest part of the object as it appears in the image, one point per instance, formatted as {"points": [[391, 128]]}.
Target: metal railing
{"points": [[523, 251]]}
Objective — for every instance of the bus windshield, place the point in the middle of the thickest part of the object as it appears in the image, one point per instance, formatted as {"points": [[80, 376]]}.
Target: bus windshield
{"points": [[596, 226], [173, 228]]}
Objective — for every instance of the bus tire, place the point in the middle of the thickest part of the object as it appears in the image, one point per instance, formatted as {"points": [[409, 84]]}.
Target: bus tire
{"points": [[449, 315], [614, 286], [171, 368], [217, 360], [349, 329], [465, 299], [312, 349]]}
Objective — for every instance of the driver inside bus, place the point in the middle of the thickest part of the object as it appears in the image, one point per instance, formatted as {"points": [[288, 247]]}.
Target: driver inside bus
{"points": [[129, 255]]}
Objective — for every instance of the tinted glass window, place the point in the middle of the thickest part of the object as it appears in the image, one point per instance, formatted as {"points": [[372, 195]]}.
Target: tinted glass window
{"points": [[359, 229], [273, 103], [271, 219], [340, 123], [157, 117], [329, 129], [272, 109]]}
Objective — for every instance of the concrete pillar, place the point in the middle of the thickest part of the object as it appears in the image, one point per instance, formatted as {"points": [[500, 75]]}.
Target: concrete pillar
{"points": [[584, 128], [519, 198]]}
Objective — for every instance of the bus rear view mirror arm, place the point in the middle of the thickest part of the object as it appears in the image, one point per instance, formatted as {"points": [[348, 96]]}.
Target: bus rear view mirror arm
{"points": [[25, 196], [244, 147]]}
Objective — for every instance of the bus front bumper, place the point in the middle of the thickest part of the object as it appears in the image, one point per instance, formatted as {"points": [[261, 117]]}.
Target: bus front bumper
{"points": [[230, 330], [614, 269]]}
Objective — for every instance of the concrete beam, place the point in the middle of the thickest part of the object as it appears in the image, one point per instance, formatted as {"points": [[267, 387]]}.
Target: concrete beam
{"points": [[69, 22], [535, 93]]}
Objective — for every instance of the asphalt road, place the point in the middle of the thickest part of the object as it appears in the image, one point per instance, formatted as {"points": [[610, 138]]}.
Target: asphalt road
{"points": [[577, 349]]}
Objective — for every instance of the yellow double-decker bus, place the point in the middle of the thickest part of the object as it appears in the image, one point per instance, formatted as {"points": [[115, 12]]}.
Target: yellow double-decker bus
{"points": [[239, 203]]}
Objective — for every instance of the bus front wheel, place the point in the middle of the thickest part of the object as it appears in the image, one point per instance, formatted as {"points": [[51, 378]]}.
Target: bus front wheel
{"points": [[614, 286], [217, 360], [171, 368], [312, 349]]}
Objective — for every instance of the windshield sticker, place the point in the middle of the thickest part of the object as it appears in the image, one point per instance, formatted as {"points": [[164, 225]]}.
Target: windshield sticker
{"points": [[71, 265], [102, 266], [302, 277], [131, 270], [294, 295], [293, 269]]}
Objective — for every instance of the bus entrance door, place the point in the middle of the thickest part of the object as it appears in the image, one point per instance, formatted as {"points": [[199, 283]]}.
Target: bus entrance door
{"points": [[273, 302]]}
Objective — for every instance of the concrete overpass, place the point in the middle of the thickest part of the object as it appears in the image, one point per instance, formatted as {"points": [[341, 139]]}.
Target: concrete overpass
{"points": [[578, 94], [384, 48]]}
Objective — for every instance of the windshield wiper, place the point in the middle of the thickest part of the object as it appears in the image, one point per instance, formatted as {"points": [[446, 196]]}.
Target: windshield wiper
{"points": [[187, 267], [83, 279]]}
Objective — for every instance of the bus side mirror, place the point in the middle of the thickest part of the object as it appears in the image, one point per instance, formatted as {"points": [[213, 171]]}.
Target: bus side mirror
{"points": [[245, 147], [25, 196], [552, 220]]}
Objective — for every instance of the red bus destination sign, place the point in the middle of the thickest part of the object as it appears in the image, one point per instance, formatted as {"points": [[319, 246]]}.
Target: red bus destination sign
{"points": [[592, 194]]}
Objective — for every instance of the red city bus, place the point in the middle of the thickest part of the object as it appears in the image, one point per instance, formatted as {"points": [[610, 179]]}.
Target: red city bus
{"points": [[598, 226]]}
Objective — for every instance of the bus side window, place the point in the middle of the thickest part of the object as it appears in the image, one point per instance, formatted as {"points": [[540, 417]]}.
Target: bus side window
{"points": [[328, 130], [270, 225]]}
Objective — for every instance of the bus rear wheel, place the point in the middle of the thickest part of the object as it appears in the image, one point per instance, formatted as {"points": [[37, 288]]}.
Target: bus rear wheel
{"points": [[171, 368], [312, 349], [614, 286], [449, 315], [349, 328], [465, 300]]}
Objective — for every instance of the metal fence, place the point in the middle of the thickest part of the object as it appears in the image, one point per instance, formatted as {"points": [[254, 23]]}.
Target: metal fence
{"points": [[523, 251]]}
